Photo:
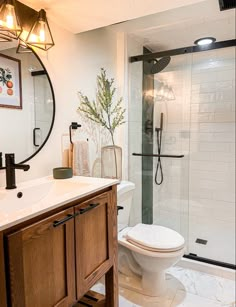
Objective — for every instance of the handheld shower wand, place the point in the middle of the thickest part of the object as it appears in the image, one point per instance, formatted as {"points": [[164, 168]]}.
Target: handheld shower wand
{"points": [[159, 141]]}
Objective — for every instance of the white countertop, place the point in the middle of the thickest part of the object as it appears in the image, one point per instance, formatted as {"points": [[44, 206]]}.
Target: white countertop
{"points": [[44, 194]]}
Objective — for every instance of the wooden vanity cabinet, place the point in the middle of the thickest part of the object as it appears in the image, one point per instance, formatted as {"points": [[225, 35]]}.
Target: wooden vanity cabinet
{"points": [[55, 260], [94, 242], [41, 263]]}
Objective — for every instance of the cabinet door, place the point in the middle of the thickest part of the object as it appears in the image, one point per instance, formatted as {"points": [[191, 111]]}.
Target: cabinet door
{"points": [[41, 263], [94, 243]]}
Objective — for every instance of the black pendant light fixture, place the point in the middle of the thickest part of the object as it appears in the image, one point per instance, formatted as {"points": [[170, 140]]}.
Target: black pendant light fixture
{"points": [[9, 23], [19, 21], [40, 34]]}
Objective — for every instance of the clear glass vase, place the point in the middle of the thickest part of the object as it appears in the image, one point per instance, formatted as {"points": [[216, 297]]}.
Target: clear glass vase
{"points": [[111, 157]]}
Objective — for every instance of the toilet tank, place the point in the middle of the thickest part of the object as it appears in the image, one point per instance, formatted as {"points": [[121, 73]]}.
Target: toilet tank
{"points": [[125, 192]]}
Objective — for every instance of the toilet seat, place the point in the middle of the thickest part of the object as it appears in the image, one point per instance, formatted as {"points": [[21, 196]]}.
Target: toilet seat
{"points": [[161, 253], [155, 238]]}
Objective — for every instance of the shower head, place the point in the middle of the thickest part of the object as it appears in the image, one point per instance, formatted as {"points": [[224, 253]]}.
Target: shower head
{"points": [[160, 64], [156, 66]]}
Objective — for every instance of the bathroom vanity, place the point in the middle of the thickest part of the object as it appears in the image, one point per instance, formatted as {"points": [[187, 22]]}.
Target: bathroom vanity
{"points": [[58, 238]]}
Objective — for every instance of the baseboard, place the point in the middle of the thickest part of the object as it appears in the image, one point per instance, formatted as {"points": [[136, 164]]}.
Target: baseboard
{"points": [[207, 268]]}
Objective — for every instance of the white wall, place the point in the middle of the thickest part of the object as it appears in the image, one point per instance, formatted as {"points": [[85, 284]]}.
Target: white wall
{"points": [[135, 129], [73, 64]]}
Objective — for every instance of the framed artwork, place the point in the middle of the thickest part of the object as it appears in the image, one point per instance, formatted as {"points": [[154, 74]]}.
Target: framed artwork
{"points": [[10, 82]]}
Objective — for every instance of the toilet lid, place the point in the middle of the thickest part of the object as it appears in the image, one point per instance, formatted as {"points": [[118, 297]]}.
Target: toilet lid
{"points": [[155, 237]]}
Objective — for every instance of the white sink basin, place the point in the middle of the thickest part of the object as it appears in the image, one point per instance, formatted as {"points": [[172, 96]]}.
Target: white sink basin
{"points": [[26, 196], [41, 195]]}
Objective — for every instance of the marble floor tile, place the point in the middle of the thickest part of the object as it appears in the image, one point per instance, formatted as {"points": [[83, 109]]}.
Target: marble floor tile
{"points": [[185, 299], [185, 288], [204, 285]]}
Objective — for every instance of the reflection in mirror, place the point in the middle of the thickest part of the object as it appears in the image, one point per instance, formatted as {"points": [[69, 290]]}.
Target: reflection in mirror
{"points": [[27, 106]]}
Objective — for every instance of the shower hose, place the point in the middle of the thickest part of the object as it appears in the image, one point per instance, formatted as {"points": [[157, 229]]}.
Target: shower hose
{"points": [[159, 166]]}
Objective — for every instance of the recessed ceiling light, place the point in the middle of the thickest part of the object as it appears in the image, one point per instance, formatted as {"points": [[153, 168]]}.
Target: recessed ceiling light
{"points": [[204, 41]]}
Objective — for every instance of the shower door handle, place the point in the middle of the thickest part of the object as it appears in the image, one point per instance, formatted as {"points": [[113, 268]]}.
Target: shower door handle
{"points": [[34, 137]]}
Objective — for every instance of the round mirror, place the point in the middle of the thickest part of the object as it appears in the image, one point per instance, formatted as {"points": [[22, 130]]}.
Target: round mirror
{"points": [[27, 103]]}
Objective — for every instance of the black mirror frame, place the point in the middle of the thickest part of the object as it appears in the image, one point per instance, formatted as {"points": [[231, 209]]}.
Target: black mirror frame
{"points": [[54, 109]]}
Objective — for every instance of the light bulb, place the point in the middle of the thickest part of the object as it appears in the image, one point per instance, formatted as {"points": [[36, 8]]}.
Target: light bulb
{"points": [[10, 21], [33, 38], [42, 35], [9, 17]]}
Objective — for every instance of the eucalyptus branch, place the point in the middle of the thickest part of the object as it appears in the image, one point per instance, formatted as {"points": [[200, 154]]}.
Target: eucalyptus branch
{"points": [[103, 110]]}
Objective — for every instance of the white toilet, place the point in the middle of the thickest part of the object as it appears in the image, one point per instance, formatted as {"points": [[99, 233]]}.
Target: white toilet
{"points": [[145, 250]]}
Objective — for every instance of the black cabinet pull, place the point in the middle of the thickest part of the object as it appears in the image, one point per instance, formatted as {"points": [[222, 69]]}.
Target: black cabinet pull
{"points": [[90, 207], [67, 218]]}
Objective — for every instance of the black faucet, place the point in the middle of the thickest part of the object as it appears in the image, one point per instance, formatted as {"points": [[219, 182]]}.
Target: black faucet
{"points": [[10, 167]]}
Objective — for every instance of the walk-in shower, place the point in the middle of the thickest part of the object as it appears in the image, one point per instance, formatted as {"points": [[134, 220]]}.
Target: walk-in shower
{"points": [[186, 144]]}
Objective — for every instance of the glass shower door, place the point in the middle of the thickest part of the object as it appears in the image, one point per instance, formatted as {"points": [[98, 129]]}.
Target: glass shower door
{"points": [[166, 93], [171, 136], [212, 156]]}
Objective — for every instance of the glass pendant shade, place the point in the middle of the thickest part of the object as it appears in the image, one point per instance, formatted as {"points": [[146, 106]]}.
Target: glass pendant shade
{"points": [[23, 48], [9, 22], [40, 35], [5, 37]]}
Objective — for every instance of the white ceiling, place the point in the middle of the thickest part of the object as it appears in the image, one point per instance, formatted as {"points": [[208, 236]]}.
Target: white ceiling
{"points": [[83, 15], [180, 27]]}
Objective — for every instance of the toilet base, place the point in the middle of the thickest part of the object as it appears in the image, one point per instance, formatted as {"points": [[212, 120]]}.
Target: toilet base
{"points": [[154, 284], [140, 285]]}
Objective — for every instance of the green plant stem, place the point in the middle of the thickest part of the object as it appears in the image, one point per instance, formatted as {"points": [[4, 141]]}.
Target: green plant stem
{"points": [[113, 142], [114, 148]]}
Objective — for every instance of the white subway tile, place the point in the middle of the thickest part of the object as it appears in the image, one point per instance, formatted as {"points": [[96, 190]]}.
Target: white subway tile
{"points": [[195, 108], [218, 147], [209, 166], [216, 127], [224, 194], [194, 127], [224, 137], [221, 156], [212, 137], [225, 96], [225, 117], [225, 75], [212, 210], [201, 156], [201, 118], [197, 175], [224, 85], [207, 87]]}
